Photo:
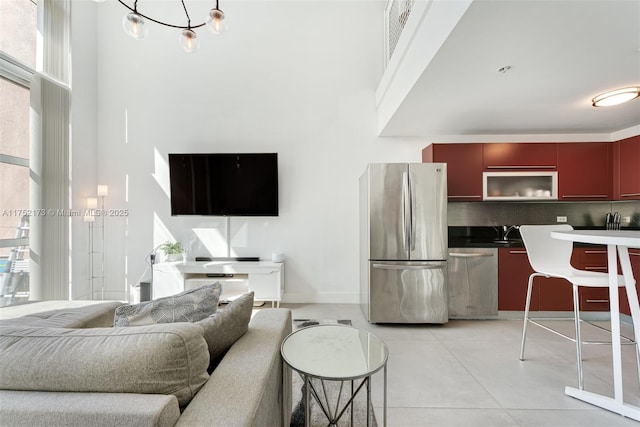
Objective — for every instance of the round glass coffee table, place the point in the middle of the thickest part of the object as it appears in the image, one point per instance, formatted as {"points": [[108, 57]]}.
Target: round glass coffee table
{"points": [[336, 353]]}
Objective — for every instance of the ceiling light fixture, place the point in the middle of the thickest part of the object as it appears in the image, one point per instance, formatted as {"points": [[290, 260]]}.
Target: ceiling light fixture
{"points": [[616, 97], [134, 24]]}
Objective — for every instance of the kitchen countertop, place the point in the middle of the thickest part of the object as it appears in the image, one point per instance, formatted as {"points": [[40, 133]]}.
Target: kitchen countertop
{"points": [[486, 237], [466, 242]]}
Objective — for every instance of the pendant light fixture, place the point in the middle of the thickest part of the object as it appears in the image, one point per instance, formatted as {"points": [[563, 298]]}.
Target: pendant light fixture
{"points": [[616, 97], [135, 24], [215, 20]]}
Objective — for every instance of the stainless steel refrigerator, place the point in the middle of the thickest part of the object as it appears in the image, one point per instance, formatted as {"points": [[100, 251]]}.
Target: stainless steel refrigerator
{"points": [[403, 243]]}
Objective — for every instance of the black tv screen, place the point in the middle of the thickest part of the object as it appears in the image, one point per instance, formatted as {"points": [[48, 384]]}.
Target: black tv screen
{"points": [[224, 184]]}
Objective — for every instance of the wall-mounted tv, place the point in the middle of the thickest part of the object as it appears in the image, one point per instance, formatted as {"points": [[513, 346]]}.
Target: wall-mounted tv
{"points": [[224, 184]]}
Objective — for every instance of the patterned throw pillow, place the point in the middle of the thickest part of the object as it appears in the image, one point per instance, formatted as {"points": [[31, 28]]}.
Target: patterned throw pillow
{"points": [[188, 306]]}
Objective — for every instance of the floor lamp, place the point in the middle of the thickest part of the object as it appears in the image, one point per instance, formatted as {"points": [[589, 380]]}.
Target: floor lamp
{"points": [[90, 217], [103, 190]]}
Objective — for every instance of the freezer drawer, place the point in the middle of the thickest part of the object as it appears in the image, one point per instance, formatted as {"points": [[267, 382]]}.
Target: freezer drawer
{"points": [[473, 283], [408, 292]]}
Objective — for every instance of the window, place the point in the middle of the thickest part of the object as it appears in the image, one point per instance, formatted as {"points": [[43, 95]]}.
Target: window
{"points": [[18, 30], [18, 20]]}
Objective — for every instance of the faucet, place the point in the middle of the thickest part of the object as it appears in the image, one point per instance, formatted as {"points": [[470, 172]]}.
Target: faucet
{"points": [[504, 230]]}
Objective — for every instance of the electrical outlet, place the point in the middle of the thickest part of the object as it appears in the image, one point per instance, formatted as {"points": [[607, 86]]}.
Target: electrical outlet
{"points": [[561, 219], [626, 219]]}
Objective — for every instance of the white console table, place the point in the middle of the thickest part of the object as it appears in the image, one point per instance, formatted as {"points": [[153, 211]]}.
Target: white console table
{"points": [[265, 278]]}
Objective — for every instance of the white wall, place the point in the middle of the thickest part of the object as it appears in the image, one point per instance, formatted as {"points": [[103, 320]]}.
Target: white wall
{"points": [[83, 138], [296, 78]]}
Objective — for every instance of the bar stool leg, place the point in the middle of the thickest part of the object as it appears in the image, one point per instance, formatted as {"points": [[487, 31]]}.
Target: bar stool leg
{"points": [[576, 314], [526, 316]]}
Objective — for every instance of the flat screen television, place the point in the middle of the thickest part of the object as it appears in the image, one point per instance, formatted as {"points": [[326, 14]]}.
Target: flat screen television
{"points": [[224, 184]]}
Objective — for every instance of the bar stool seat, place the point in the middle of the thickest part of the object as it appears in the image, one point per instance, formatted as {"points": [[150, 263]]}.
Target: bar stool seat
{"points": [[551, 257]]}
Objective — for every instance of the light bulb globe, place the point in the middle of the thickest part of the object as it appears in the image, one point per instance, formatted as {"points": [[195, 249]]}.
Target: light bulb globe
{"points": [[135, 26], [188, 41], [216, 22]]}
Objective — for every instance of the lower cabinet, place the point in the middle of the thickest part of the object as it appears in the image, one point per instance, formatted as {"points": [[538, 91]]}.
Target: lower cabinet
{"points": [[513, 277], [551, 294], [592, 259]]}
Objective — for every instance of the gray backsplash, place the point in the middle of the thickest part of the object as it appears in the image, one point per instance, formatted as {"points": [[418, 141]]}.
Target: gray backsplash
{"points": [[579, 214]]}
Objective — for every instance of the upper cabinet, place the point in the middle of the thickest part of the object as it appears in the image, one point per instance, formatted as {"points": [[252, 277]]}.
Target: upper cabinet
{"points": [[464, 169], [511, 156], [585, 171], [626, 163]]}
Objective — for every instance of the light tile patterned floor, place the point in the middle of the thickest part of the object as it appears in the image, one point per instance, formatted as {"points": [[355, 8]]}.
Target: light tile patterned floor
{"points": [[467, 373]]}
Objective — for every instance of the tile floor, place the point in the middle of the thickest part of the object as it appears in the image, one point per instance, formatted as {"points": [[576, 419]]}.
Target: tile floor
{"points": [[467, 373]]}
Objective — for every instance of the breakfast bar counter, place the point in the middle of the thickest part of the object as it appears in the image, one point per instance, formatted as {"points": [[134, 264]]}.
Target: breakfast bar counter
{"points": [[620, 241]]}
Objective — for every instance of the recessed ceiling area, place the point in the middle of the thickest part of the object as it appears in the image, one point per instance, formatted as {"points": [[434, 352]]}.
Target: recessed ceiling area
{"points": [[560, 55]]}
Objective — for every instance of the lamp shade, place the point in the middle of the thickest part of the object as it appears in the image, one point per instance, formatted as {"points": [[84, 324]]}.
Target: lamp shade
{"points": [[135, 26], [188, 40], [103, 190], [216, 22]]}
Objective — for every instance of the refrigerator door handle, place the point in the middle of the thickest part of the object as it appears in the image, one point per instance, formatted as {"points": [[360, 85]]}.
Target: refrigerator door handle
{"points": [[406, 211], [408, 267], [412, 219]]}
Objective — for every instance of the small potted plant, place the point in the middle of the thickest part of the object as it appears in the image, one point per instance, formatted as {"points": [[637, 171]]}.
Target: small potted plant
{"points": [[172, 250]]}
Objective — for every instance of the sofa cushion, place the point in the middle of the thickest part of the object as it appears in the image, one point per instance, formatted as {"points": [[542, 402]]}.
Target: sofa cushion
{"points": [[225, 326], [188, 306], [58, 408], [60, 314], [155, 359]]}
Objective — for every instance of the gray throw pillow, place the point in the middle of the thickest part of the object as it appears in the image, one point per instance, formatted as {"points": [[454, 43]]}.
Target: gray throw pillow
{"points": [[225, 326], [188, 306]]}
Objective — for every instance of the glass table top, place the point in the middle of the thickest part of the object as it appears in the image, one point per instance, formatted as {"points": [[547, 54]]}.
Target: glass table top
{"points": [[334, 352]]}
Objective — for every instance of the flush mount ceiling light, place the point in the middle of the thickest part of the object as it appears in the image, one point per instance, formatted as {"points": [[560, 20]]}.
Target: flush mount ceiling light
{"points": [[616, 97], [134, 24]]}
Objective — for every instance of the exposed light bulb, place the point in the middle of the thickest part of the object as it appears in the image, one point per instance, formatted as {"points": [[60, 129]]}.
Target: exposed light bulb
{"points": [[135, 26], [216, 22], [188, 40]]}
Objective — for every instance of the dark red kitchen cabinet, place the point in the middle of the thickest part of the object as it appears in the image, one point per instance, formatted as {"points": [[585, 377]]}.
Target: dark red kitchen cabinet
{"points": [[627, 169], [513, 278], [556, 294], [548, 294], [585, 171], [592, 259], [464, 169], [634, 256], [518, 156]]}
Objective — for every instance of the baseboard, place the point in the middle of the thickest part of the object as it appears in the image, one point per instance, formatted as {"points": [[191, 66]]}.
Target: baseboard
{"points": [[321, 298]]}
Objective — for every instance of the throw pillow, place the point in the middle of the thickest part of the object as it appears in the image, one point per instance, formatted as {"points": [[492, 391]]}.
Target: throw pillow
{"points": [[225, 326], [188, 306]]}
